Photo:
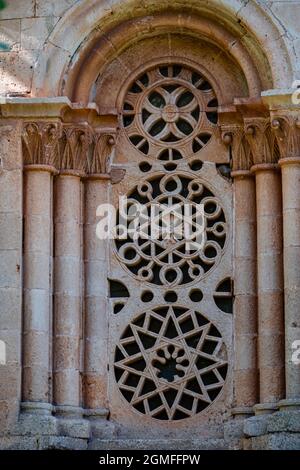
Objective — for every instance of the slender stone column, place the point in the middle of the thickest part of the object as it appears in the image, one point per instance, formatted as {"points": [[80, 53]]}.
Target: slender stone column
{"points": [[37, 271], [269, 262], [96, 263], [270, 286], [67, 290], [286, 128], [245, 304], [68, 276], [39, 142], [96, 321], [290, 168]]}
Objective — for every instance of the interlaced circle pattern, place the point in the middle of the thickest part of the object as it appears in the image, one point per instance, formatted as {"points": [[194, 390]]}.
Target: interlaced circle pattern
{"points": [[171, 363], [170, 112], [165, 260]]}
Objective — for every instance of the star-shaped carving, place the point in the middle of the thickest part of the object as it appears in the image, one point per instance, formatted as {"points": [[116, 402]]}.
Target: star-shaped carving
{"points": [[170, 363]]}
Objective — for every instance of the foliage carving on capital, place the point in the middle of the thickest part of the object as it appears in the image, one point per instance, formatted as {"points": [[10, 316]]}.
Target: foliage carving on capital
{"points": [[74, 147], [286, 129], [261, 140], [234, 135], [100, 158], [40, 143]]}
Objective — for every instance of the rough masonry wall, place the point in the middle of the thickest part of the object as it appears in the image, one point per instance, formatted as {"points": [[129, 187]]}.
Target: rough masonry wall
{"points": [[10, 270], [25, 26]]}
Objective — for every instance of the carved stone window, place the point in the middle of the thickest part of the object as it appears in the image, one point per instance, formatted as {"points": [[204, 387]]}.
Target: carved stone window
{"points": [[170, 363], [170, 344], [166, 261], [169, 112]]}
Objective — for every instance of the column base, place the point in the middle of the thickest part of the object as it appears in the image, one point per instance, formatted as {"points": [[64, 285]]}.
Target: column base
{"points": [[36, 408], [242, 412], [100, 427], [35, 418], [70, 422], [279, 430], [258, 425], [265, 408], [289, 404]]}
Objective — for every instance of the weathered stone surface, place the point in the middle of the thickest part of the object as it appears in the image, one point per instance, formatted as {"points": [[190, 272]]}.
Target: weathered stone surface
{"points": [[287, 421], [280, 441], [161, 444], [256, 425], [57, 320], [35, 425], [78, 428]]}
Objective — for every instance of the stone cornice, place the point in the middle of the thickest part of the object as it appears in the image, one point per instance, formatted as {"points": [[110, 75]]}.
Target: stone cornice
{"points": [[284, 108], [38, 108], [287, 99], [66, 136]]}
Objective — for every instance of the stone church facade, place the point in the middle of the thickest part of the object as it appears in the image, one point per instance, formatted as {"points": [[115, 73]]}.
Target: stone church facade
{"points": [[129, 343]]}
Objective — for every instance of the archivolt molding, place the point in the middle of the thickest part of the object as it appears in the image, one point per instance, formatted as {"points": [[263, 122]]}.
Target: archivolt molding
{"points": [[245, 23]]}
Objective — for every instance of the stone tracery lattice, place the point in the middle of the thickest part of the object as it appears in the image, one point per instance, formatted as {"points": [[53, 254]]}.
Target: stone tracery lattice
{"points": [[170, 363], [165, 261], [170, 112]]}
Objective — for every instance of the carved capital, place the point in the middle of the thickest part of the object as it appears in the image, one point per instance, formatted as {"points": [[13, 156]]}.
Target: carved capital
{"points": [[286, 129], [40, 143], [261, 140], [234, 135], [100, 158], [74, 147]]}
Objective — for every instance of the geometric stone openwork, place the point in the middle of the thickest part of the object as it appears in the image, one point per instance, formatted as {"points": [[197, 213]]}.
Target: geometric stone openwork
{"points": [[170, 112], [170, 363]]}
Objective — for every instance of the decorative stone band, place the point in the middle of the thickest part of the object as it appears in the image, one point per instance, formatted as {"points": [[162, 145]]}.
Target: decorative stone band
{"points": [[262, 140], [41, 167], [69, 149], [289, 161], [241, 174], [242, 411], [264, 167]]}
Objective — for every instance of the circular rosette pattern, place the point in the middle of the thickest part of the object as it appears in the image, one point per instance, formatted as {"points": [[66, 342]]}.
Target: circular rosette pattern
{"points": [[170, 112], [170, 363], [175, 230]]}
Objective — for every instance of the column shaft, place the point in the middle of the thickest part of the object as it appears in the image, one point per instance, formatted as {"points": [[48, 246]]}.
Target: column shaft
{"points": [[37, 266], [291, 237], [270, 284], [245, 320], [96, 321], [67, 289]]}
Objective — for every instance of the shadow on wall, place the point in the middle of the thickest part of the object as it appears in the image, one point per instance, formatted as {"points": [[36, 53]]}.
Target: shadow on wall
{"points": [[24, 29]]}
